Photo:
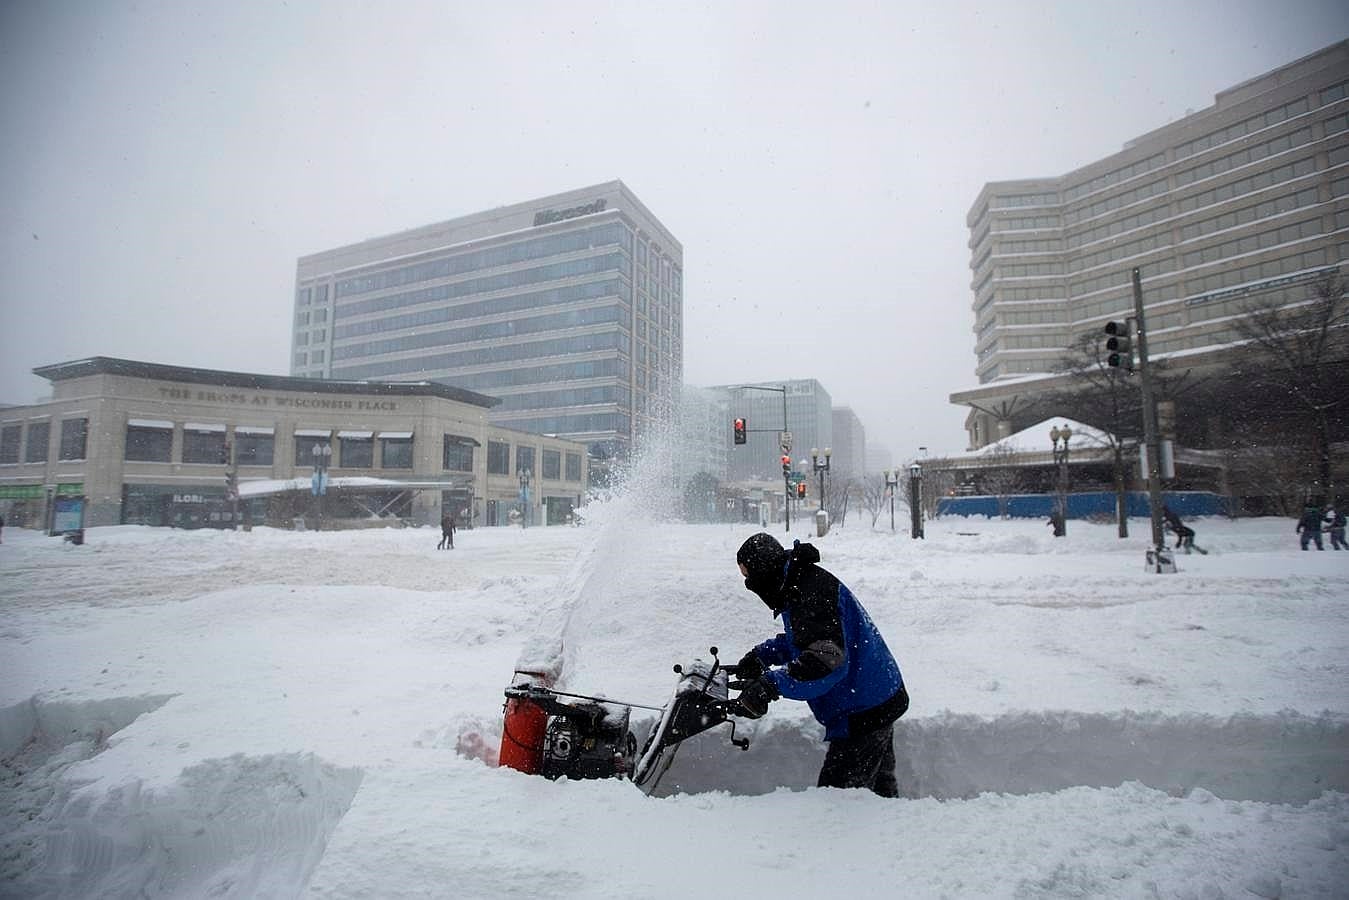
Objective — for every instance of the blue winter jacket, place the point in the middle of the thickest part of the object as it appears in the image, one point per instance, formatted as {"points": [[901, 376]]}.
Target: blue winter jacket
{"points": [[866, 679]]}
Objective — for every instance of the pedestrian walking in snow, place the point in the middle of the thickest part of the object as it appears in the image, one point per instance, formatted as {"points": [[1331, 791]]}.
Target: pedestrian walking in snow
{"points": [[830, 655], [1309, 526], [1184, 533], [1335, 520], [2, 529], [446, 532]]}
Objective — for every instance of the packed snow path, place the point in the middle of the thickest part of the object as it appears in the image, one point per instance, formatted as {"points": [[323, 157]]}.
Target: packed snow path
{"points": [[281, 714]]}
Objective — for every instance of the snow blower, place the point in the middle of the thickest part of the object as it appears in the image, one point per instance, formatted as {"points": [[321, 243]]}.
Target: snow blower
{"points": [[558, 734]]}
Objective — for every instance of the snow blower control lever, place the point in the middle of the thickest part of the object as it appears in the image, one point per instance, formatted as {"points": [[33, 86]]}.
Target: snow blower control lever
{"points": [[554, 733]]}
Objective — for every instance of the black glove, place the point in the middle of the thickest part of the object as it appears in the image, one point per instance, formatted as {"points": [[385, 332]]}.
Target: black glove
{"points": [[749, 668], [754, 699]]}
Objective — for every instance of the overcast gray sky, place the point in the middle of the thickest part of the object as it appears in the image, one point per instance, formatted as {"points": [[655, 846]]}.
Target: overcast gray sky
{"points": [[165, 163]]}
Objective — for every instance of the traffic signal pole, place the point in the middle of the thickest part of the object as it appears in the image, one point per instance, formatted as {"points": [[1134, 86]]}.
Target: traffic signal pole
{"points": [[1150, 437], [786, 467]]}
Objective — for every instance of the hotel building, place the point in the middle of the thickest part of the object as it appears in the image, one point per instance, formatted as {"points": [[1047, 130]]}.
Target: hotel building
{"points": [[1245, 201]]}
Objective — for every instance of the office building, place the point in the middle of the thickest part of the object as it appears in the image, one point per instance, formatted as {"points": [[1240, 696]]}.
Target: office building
{"points": [[702, 441], [1245, 201], [149, 444], [850, 444], [568, 308]]}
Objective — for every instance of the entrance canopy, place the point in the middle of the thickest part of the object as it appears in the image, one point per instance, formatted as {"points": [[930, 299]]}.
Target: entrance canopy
{"points": [[267, 487]]}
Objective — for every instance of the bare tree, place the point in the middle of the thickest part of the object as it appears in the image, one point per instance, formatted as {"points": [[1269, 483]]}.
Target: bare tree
{"points": [[876, 496], [1000, 475], [939, 480], [1298, 356]]}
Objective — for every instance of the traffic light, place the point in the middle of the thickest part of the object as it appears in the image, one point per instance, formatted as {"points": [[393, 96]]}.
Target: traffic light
{"points": [[225, 454], [231, 486], [786, 467], [801, 489], [739, 426], [1119, 345]]}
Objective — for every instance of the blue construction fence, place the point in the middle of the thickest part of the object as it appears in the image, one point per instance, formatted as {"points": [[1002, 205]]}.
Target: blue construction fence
{"points": [[1085, 505]]}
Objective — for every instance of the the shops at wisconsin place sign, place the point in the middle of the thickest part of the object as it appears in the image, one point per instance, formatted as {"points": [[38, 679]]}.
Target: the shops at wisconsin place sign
{"points": [[548, 216]]}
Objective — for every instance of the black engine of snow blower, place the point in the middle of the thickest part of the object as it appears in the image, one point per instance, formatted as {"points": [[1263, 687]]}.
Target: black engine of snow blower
{"points": [[588, 737]]}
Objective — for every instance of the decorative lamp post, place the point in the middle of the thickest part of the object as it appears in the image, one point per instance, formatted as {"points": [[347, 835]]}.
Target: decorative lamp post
{"points": [[525, 476], [1059, 438], [323, 455], [916, 501], [820, 468], [891, 482]]}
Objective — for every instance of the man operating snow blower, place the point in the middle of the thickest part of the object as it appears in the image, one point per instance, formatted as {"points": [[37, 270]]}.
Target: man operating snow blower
{"points": [[831, 655]]}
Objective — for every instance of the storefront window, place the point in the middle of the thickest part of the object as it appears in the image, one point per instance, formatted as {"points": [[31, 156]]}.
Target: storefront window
{"points": [[74, 437], [552, 464], [395, 453], [253, 449], [524, 458], [498, 458], [357, 453], [39, 436], [204, 447], [458, 454], [10, 438], [145, 444]]}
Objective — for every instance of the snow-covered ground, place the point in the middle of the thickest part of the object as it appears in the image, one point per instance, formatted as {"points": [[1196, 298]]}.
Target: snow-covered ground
{"points": [[277, 714]]}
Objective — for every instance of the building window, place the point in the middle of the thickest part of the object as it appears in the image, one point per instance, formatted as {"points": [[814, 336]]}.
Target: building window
{"points": [[356, 452], [498, 458], [458, 453], [201, 446], [146, 443], [573, 467], [524, 458], [305, 444], [253, 449], [316, 357], [395, 453], [74, 437], [10, 438], [39, 436], [552, 464]]}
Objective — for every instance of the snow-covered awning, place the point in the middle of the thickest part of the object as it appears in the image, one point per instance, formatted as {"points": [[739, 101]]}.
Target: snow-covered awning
{"points": [[313, 432], [395, 435], [203, 426], [254, 429], [356, 435], [149, 423], [462, 439]]}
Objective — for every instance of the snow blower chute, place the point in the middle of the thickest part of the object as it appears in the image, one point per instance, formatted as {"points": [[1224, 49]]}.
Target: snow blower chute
{"points": [[555, 733]]}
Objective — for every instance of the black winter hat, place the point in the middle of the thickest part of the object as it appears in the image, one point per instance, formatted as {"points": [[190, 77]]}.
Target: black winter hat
{"points": [[763, 557]]}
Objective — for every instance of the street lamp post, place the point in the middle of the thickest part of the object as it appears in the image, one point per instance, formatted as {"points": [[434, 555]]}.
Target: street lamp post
{"points": [[820, 468], [891, 482], [1057, 435], [525, 476], [323, 455], [916, 501]]}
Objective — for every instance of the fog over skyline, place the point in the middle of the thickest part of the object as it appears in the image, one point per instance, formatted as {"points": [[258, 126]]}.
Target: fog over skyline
{"points": [[165, 164]]}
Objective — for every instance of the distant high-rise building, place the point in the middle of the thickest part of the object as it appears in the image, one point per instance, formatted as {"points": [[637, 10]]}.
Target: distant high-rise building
{"points": [[850, 443], [703, 437], [568, 308], [1246, 201], [879, 458], [809, 419]]}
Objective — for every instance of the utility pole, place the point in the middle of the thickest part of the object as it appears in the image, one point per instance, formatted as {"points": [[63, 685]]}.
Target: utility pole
{"points": [[1150, 439]]}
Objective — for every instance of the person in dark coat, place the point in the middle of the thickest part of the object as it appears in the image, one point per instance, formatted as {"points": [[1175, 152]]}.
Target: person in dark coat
{"points": [[446, 532], [1335, 521], [830, 655], [1184, 533], [1309, 526]]}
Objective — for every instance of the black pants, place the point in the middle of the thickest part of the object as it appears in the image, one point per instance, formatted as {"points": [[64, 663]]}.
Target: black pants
{"points": [[864, 759]]}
